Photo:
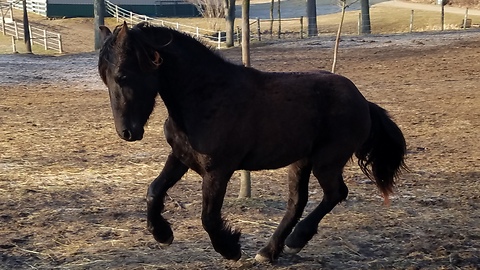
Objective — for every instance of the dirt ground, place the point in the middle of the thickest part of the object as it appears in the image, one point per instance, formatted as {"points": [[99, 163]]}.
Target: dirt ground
{"points": [[72, 192]]}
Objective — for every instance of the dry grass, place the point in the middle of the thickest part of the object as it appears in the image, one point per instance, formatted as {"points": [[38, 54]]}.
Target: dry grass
{"points": [[72, 193], [384, 20]]}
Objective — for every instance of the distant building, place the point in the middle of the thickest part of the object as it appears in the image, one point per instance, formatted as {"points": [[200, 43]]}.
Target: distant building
{"points": [[84, 8]]}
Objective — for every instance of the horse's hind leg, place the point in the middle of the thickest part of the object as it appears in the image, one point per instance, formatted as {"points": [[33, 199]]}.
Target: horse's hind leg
{"points": [[224, 240], [330, 178], [172, 172], [298, 176]]}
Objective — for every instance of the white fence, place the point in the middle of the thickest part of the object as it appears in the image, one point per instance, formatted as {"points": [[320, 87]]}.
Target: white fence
{"points": [[121, 14], [47, 39], [38, 7]]}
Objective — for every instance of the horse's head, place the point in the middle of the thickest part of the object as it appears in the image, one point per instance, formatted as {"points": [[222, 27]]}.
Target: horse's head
{"points": [[129, 70]]}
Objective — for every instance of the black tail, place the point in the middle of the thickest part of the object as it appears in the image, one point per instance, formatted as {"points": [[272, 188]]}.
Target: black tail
{"points": [[381, 157]]}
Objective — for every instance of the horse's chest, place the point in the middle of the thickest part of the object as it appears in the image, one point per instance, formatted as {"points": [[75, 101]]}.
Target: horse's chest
{"points": [[183, 150]]}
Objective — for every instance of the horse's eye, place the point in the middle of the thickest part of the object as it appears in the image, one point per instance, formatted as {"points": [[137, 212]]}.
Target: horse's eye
{"points": [[122, 79]]}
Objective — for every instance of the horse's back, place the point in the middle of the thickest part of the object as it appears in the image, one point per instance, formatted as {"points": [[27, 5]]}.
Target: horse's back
{"points": [[292, 114]]}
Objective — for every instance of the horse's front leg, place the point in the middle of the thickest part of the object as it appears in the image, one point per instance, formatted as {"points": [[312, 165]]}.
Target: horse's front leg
{"points": [[224, 240], [172, 172], [298, 177]]}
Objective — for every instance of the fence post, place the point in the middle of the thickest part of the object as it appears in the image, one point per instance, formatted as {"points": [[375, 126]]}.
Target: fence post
{"points": [[45, 39], [16, 29], [258, 30], [411, 20], [3, 22], [131, 18], [465, 20], [197, 33], [239, 35], [31, 35], [359, 23], [60, 48], [219, 39], [14, 45], [301, 27], [116, 12], [11, 11]]}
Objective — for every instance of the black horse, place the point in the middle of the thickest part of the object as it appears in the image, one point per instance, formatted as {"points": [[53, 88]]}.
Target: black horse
{"points": [[225, 117]]}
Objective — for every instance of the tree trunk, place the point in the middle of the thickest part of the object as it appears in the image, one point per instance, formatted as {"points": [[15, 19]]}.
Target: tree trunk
{"points": [[444, 2], [339, 34], [272, 3], [245, 185], [245, 182], [99, 19], [312, 18], [26, 28], [246, 32], [279, 12], [230, 21], [365, 10]]}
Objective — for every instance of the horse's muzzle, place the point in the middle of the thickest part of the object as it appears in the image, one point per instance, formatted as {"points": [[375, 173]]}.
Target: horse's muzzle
{"points": [[131, 135]]}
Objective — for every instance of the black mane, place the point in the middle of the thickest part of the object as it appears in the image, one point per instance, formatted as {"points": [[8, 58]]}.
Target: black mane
{"points": [[166, 39]]}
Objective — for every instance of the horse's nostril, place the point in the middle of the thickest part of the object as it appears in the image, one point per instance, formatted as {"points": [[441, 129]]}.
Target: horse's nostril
{"points": [[127, 135]]}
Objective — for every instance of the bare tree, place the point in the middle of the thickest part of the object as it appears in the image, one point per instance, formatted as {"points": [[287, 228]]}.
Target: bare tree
{"points": [[272, 4], [245, 181], [365, 12], [344, 6], [26, 28], [339, 33], [230, 21], [312, 18], [99, 19], [279, 12], [443, 3], [210, 8]]}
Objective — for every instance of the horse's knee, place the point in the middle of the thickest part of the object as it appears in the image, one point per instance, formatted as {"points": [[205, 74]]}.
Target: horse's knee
{"points": [[342, 192], [211, 224], [335, 190]]}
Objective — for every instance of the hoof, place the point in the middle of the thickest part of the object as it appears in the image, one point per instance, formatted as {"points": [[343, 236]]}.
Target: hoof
{"points": [[166, 243], [289, 250], [235, 258], [166, 237], [261, 259]]}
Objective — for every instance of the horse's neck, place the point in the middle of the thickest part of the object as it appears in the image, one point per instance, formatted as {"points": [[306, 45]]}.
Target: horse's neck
{"points": [[195, 70], [194, 88]]}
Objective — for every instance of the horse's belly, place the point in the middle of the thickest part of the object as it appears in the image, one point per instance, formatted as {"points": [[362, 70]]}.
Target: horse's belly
{"points": [[276, 157]]}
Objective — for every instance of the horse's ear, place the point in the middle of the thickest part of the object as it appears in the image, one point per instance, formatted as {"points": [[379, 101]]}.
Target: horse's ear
{"points": [[157, 59], [125, 26], [104, 32], [122, 34]]}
